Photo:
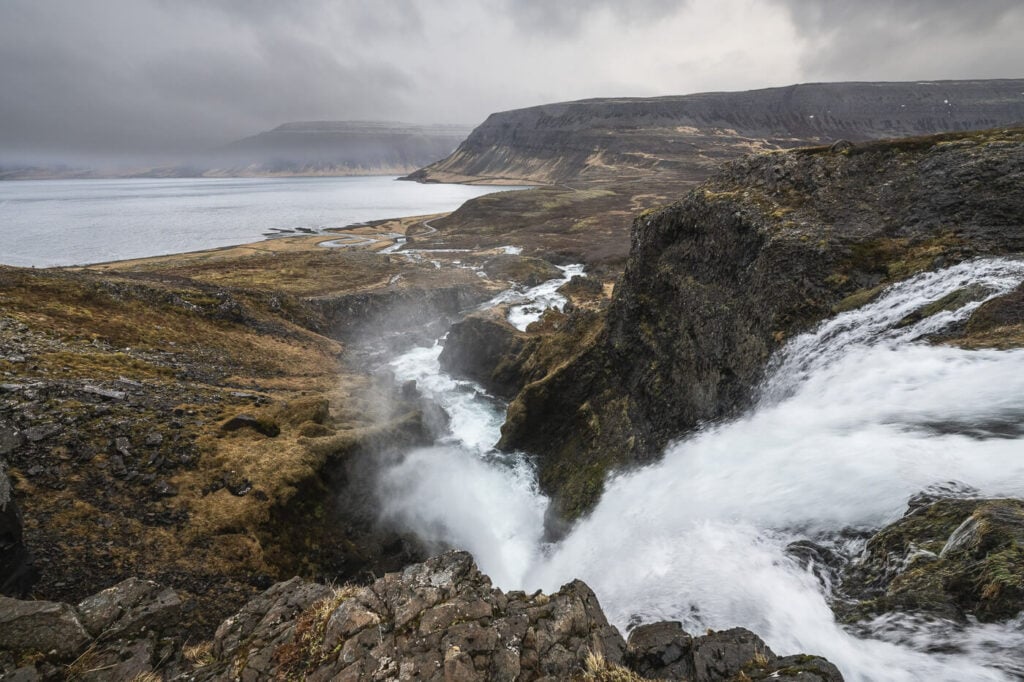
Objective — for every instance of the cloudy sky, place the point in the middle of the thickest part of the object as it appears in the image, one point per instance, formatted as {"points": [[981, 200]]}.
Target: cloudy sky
{"points": [[153, 76]]}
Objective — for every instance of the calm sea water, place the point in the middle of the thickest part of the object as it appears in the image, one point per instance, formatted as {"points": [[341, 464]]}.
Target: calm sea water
{"points": [[72, 222]]}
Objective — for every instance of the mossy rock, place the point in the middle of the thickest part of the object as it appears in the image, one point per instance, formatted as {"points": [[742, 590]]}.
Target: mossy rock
{"points": [[951, 559]]}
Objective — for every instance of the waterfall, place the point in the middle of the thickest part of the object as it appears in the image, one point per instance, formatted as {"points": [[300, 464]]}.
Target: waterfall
{"points": [[852, 419]]}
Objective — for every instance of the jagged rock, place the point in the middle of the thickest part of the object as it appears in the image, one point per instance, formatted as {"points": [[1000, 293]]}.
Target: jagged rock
{"points": [[951, 558], [484, 347], [265, 624], [41, 627], [443, 620], [664, 651], [129, 608], [661, 650], [435, 619]]}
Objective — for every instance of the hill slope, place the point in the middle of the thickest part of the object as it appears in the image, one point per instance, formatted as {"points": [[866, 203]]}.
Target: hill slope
{"points": [[685, 136]]}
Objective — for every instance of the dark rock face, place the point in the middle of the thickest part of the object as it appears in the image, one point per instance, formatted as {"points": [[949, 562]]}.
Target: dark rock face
{"points": [[715, 283], [397, 318], [599, 138], [485, 348], [951, 558], [16, 571]]}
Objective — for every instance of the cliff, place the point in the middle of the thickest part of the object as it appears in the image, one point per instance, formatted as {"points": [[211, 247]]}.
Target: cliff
{"points": [[716, 282], [687, 136]]}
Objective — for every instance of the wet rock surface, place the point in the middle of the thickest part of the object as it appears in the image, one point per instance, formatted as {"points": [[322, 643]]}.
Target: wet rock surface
{"points": [[484, 347], [947, 558]]}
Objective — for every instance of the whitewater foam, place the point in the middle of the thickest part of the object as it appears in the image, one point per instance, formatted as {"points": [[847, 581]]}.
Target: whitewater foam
{"points": [[853, 419]]}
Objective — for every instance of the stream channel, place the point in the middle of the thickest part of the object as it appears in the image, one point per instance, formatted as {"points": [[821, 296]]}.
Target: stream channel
{"points": [[851, 420]]}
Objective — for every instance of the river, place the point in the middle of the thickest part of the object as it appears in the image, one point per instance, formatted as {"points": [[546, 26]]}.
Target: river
{"points": [[72, 222], [842, 435]]}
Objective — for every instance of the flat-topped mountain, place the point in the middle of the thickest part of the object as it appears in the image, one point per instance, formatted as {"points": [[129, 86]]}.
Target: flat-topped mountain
{"points": [[606, 139], [333, 146]]}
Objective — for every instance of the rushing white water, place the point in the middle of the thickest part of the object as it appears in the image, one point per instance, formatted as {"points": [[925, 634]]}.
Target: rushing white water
{"points": [[526, 306], [854, 419]]}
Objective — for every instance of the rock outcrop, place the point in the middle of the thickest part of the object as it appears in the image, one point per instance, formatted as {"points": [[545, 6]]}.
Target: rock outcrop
{"points": [[443, 620], [951, 558], [120, 633], [771, 245], [607, 139], [439, 620], [484, 347]]}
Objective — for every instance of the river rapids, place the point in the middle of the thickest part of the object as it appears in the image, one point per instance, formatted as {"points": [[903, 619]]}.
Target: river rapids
{"points": [[851, 420]]}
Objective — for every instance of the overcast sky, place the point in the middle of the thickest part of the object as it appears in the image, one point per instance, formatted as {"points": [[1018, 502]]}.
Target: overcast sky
{"points": [[151, 76]]}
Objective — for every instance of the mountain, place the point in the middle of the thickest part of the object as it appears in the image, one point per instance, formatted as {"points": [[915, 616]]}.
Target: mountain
{"points": [[339, 147], [600, 140], [299, 148]]}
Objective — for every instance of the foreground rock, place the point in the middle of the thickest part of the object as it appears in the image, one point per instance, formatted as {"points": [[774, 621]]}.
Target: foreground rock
{"points": [[716, 283], [16, 571], [121, 633], [443, 620], [439, 620]]}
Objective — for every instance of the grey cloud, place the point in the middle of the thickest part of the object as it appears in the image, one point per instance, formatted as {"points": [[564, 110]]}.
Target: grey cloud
{"points": [[566, 17], [150, 77], [910, 39], [156, 76]]}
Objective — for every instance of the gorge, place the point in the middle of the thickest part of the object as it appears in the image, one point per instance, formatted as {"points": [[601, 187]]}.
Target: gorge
{"points": [[793, 408]]}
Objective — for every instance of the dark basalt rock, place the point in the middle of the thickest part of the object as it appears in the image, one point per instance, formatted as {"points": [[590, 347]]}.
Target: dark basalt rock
{"points": [[17, 574], [484, 347], [439, 620], [714, 284]]}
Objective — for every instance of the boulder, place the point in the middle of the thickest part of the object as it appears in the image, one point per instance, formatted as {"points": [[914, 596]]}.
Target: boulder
{"points": [[664, 651], [952, 558], [129, 608], [41, 627], [484, 347]]}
